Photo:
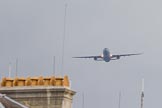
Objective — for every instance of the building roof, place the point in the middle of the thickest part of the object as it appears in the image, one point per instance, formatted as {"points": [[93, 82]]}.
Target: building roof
{"points": [[6, 102]]}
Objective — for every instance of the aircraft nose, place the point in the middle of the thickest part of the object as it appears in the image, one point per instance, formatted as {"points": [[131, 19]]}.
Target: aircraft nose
{"points": [[106, 49]]}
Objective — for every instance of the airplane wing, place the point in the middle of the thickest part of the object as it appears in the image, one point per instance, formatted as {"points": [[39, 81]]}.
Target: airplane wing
{"points": [[118, 56], [89, 57]]}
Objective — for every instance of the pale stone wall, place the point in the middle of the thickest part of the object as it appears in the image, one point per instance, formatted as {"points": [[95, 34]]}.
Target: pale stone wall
{"points": [[41, 96]]}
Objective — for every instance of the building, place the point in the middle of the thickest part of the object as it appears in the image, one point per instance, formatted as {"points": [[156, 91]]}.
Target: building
{"points": [[39, 92]]}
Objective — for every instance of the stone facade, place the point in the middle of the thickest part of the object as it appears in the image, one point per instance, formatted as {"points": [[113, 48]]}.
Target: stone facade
{"points": [[41, 96]]}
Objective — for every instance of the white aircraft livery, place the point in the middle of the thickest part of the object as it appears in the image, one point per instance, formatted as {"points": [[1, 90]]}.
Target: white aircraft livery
{"points": [[107, 56]]}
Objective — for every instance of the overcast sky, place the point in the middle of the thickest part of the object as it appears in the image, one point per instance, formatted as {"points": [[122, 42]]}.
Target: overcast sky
{"points": [[32, 32]]}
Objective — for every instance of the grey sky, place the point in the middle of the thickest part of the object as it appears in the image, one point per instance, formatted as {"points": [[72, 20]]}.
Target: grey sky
{"points": [[32, 31]]}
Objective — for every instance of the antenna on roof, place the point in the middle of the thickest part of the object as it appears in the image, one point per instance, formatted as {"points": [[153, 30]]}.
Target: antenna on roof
{"points": [[54, 65], [83, 100], [16, 66], [142, 93], [64, 33], [119, 99], [9, 70]]}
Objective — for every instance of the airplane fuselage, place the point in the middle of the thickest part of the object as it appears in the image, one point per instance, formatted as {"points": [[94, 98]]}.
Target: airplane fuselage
{"points": [[106, 55]]}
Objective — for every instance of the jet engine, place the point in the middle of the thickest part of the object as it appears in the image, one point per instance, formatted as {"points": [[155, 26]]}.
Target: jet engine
{"points": [[95, 58], [118, 57]]}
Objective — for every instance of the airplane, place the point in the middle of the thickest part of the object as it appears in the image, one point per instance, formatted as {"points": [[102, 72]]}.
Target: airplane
{"points": [[107, 56]]}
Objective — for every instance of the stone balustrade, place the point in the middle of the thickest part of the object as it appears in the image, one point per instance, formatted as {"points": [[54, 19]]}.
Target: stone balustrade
{"points": [[35, 81]]}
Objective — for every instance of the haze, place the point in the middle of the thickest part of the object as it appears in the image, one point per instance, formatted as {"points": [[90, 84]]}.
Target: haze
{"points": [[32, 32]]}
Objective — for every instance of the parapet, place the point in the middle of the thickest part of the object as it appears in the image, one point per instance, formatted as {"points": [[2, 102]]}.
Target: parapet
{"points": [[36, 81]]}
